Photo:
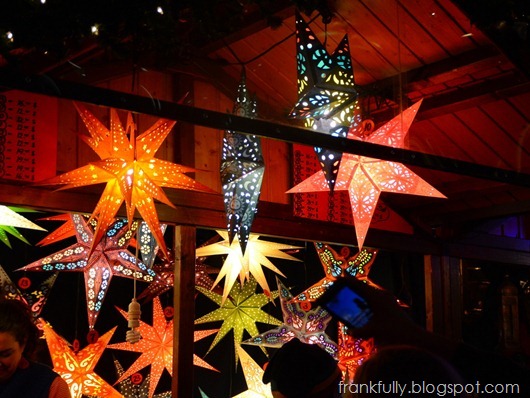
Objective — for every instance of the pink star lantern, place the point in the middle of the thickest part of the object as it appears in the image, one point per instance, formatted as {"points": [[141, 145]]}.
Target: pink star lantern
{"points": [[335, 266], [365, 178], [77, 368], [156, 347], [307, 326], [352, 352], [99, 264], [130, 171]]}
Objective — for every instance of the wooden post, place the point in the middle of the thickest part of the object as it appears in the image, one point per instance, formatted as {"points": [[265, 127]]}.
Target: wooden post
{"points": [[184, 315], [443, 296]]}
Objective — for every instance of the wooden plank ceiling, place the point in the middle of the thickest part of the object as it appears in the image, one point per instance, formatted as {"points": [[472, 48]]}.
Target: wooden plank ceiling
{"points": [[476, 102]]}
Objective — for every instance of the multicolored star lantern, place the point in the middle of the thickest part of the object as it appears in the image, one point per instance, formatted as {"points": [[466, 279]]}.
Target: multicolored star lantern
{"points": [[99, 263], [10, 220], [325, 82], [326, 92], [242, 266], [352, 352], [242, 169], [253, 376], [239, 313], [307, 326], [140, 389], [77, 368], [130, 170], [35, 299], [156, 347], [365, 178], [335, 266]]}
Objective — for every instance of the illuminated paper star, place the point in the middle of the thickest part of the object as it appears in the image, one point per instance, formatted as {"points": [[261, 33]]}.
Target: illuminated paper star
{"points": [[77, 368], [130, 171], [335, 266], [156, 347], [325, 82], [109, 258], [10, 220], [35, 299], [253, 376], [307, 326], [365, 178], [239, 313], [129, 389], [352, 352], [242, 266], [326, 92], [242, 169]]}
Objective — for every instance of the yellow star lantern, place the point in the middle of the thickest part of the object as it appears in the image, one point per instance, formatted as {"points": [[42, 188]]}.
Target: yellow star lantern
{"points": [[130, 170], [239, 313], [365, 178], [253, 375], [77, 368], [156, 347], [242, 266], [10, 220]]}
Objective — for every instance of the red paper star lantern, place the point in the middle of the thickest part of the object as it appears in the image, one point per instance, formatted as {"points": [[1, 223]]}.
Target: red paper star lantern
{"points": [[156, 347], [109, 258], [130, 170], [365, 178], [77, 368]]}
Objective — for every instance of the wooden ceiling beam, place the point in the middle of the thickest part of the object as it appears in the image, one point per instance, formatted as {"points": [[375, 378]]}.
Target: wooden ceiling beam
{"points": [[218, 120]]}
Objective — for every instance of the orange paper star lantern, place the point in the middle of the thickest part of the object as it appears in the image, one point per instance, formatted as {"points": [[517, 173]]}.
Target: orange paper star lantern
{"points": [[77, 368], [352, 352], [130, 170], [156, 347], [365, 178]]}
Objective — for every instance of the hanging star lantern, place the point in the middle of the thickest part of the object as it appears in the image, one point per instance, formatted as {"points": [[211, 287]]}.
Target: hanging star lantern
{"points": [[365, 178], [239, 312], [77, 368], [325, 82], [253, 376], [129, 389], [307, 326], [98, 264], [242, 169], [326, 92], [10, 220], [336, 266], [130, 171], [242, 266], [156, 347], [352, 352], [35, 299]]}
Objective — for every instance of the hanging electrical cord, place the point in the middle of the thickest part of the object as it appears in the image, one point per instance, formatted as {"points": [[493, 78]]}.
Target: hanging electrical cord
{"points": [[134, 312], [239, 62]]}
